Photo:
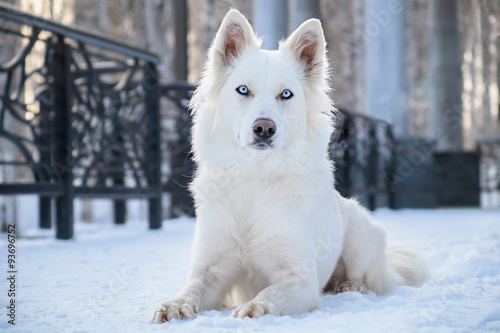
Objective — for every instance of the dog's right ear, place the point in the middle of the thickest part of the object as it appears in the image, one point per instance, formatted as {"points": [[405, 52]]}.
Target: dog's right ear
{"points": [[234, 36]]}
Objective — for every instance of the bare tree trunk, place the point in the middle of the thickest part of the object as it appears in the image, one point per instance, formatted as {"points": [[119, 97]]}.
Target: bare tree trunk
{"points": [[385, 60], [345, 34], [486, 41], [269, 21], [149, 19], [103, 15], [299, 11], [471, 131], [445, 118], [496, 11], [417, 68], [199, 30], [180, 66], [497, 122]]}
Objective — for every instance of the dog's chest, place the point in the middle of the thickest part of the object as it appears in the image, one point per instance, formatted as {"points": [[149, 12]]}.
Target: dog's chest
{"points": [[259, 200], [261, 209]]}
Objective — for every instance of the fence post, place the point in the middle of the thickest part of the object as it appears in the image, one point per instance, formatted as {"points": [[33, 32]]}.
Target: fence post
{"points": [[390, 168], [373, 167], [45, 212], [120, 211], [152, 88], [61, 83], [119, 205], [46, 142], [344, 172]]}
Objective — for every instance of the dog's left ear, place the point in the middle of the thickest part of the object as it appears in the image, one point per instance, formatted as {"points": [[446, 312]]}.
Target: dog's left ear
{"points": [[234, 36], [308, 46]]}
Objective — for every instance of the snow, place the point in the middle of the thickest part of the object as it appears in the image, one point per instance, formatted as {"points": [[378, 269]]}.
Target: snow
{"points": [[110, 279]]}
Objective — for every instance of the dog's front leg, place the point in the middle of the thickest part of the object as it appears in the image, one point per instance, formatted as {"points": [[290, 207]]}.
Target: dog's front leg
{"points": [[293, 280], [214, 268], [185, 306], [285, 298], [204, 291]]}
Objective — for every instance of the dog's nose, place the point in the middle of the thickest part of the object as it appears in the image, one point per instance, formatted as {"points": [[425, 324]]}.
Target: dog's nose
{"points": [[264, 128]]}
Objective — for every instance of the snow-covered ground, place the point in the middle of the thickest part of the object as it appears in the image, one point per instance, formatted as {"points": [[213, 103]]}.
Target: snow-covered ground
{"points": [[110, 279]]}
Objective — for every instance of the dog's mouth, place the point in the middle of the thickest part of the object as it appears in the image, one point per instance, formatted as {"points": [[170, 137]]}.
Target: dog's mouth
{"points": [[261, 145]]}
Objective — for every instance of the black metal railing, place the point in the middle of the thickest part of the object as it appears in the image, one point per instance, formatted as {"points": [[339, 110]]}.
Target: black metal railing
{"points": [[177, 146], [89, 124], [363, 150]]}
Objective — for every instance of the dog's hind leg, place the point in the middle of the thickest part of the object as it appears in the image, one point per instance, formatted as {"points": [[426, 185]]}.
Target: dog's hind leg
{"points": [[366, 257], [338, 282]]}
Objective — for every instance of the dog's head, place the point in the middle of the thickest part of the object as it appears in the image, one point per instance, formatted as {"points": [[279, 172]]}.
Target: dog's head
{"points": [[263, 101]]}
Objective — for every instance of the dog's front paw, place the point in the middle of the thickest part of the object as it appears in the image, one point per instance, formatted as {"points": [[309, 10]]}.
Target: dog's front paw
{"points": [[253, 309], [176, 309]]}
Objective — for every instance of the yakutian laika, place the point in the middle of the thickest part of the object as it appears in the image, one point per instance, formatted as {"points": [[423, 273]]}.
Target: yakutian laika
{"points": [[272, 233]]}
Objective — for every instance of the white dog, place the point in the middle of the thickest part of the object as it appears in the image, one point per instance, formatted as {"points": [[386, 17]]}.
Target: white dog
{"points": [[272, 233]]}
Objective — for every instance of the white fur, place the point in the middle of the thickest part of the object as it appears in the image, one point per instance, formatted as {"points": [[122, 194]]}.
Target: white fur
{"points": [[270, 227]]}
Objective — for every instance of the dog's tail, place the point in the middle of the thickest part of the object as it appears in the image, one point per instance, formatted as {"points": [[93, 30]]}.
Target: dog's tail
{"points": [[411, 266]]}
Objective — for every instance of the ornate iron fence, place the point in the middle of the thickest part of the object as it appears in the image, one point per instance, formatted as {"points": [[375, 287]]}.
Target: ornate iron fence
{"points": [[92, 125]]}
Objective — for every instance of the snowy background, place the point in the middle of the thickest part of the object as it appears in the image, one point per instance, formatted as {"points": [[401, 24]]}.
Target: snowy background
{"points": [[110, 279]]}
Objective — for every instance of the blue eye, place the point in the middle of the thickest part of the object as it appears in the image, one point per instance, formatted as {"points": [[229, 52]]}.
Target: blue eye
{"points": [[286, 94], [242, 90]]}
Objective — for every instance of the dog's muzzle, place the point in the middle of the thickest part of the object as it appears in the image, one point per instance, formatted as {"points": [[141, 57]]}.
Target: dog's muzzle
{"points": [[263, 132]]}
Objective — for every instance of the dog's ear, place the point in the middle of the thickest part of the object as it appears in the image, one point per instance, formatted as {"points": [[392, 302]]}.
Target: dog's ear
{"points": [[234, 36], [308, 46]]}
